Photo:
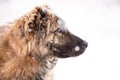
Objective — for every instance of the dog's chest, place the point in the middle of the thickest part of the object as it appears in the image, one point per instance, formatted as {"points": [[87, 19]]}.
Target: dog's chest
{"points": [[49, 64]]}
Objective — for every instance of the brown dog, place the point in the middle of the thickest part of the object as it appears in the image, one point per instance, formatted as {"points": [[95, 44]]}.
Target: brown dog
{"points": [[29, 47]]}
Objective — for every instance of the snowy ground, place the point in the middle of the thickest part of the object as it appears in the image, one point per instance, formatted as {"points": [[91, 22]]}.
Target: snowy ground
{"points": [[96, 21]]}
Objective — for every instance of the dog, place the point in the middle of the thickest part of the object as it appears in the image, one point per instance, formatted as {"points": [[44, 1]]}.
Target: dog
{"points": [[31, 45]]}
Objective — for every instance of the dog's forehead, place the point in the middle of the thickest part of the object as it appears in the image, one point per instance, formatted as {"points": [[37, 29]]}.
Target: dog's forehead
{"points": [[61, 24]]}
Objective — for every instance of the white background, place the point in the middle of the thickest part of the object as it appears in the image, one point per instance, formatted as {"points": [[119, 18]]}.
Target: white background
{"points": [[96, 21]]}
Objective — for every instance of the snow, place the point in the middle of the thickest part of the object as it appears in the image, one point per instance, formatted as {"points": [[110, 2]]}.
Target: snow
{"points": [[96, 21]]}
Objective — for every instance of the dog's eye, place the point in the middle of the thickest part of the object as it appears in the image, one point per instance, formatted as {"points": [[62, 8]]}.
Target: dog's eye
{"points": [[60, 31]]}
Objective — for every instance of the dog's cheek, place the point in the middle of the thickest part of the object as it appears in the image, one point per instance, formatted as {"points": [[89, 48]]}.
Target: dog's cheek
{"points": [[59, 39]]}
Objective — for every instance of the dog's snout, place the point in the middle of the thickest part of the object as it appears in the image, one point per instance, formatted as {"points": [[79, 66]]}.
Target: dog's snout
{"points": [[85, 43]]}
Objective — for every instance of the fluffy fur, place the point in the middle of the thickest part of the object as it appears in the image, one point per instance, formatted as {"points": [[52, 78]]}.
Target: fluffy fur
{"points": [[30, 46]]}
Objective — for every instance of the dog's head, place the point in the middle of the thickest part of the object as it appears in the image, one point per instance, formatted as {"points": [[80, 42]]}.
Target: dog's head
{"points": [[48, 34]]}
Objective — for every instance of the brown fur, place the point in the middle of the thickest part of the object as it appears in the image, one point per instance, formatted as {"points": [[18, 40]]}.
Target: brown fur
{"points": [[30, 47]]}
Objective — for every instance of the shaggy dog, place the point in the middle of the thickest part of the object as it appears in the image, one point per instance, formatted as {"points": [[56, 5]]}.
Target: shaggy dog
{"points": [[30, 46]]}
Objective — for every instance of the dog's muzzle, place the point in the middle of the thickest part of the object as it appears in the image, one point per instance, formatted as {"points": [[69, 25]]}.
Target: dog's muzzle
{"points": [[71, 46]]}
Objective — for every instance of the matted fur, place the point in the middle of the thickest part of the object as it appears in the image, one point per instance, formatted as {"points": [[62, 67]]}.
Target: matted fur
{"points": [[30, 46]]}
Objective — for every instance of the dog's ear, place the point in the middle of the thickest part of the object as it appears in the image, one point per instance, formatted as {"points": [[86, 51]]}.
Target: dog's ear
{"points": [[35, 23], [32, 25]]}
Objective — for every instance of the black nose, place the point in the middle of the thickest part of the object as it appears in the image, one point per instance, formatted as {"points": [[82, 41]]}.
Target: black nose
{"points": [[84, 43]]}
